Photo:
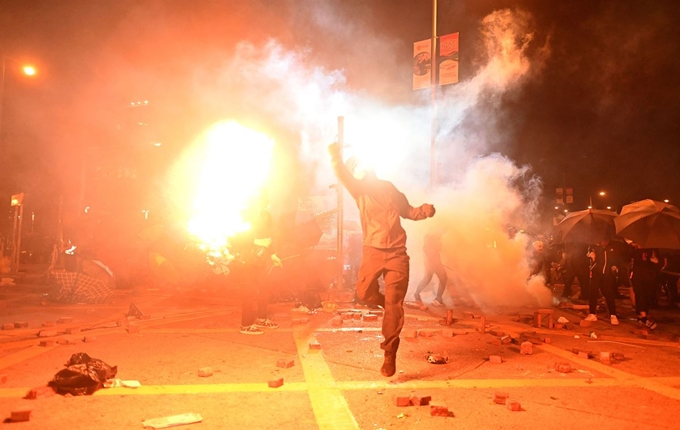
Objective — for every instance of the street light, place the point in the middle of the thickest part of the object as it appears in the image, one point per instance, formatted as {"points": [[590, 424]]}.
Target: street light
{"points": [[601, 193], [28, 70]]}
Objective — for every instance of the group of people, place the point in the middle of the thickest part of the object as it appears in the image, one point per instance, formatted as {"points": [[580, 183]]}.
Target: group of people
{"points": [[602, 268]]}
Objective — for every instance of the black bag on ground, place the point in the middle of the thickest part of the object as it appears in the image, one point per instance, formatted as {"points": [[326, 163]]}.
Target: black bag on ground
{"points": [[83, 375]]}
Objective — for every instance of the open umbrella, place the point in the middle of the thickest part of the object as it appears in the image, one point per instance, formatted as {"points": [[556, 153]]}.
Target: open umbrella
{"points": [[587, 226], [650, 224]]}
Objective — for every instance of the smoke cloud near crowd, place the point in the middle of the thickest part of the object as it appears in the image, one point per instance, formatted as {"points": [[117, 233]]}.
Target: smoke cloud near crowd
{"points": [[481, 192]]}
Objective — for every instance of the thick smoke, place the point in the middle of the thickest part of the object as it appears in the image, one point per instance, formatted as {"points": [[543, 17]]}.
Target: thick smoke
{"points": [[486, 194], [481, 193]]}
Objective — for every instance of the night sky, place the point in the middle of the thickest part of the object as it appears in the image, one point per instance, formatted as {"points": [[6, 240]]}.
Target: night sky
{"points": [[598, 112]]}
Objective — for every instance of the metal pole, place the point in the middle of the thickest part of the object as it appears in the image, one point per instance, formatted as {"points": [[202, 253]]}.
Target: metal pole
{"points": [[21, 222], [433, 87], [14, 239], [340, 213]]}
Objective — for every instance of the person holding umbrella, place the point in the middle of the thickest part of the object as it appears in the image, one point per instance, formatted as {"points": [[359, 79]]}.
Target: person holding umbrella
{"points": [[646, 268]]}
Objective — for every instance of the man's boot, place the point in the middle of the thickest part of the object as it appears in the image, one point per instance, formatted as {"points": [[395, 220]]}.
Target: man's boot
{"points": [[389, 366]]}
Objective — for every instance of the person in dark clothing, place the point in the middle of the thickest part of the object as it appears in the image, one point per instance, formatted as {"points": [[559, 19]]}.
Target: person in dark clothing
{"points": [[432, 246], [381, 207], [577, 266], [644, 273], [253, 253], [602, 279]]}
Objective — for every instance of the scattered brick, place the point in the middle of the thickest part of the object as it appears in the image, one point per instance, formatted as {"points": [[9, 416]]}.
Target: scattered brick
{"points": [[469, 315], [585, 323], [559, 326], [315, 346], [133, 329], [145, 317], [496, 333], [482, 324], [336, 321], [439, 411], [583, 355], [47, 343], [423, 308], [403, 401], [21, 324], [546, 340], [49, 324], [121, 323], [370, 317], [72, 330], [447, 332], [526, 348], [459, 331], [64, 320], [426, 333], [618, 356], [66, 342], [275, 383], [410, 333], [496, 359], [347, 315], [500, 397], [204, 372], [514, 406], [8, 326], [47, 333], [3, 378], [506, 340], [568, 326], [356, 316], [285, 363], [88, 339], [563, 367], [40, 392], [605, 358], [20, 416], [420, 400]]}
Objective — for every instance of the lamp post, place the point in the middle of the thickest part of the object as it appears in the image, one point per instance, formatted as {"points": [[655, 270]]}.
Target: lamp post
{"points": [[27, 70], [601, 194]]}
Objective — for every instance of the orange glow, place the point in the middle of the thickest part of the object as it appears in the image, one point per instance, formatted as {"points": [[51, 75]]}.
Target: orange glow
{"points": [[229, 165], [29, 70]]}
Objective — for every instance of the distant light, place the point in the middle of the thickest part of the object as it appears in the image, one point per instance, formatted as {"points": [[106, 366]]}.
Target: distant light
{"points": [[666, 201], [29, 70], [132, 103], [602, 193], [157, 144], [565, 211], [146, 102], [87, 209], [590, 207], [609, 207]]}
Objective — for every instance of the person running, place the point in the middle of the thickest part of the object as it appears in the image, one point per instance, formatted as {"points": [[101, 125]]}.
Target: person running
{"points": [[381, 207]]}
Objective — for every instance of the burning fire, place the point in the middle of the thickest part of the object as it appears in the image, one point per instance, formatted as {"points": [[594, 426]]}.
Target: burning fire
{"points": [[236, 163]]}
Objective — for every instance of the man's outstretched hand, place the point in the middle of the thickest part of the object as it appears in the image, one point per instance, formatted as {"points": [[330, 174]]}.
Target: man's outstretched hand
{"points": [[429, 210]]}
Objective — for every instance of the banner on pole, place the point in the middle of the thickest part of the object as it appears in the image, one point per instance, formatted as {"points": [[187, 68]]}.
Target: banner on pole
{"points": [[422, 64], [448, 59]]}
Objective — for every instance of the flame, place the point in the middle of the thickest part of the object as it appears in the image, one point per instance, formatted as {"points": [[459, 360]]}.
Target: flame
{"points": [[235, 167]]}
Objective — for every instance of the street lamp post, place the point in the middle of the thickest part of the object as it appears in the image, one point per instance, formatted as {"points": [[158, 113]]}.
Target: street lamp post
{"points": [[28, 70], [601, 194]]}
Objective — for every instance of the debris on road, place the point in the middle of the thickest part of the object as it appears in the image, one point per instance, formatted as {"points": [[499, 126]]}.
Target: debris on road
{"points": [[171, 421], [20, 416]]}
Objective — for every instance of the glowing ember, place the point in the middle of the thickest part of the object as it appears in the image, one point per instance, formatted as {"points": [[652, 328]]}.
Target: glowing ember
{"points": [[235, 166]]}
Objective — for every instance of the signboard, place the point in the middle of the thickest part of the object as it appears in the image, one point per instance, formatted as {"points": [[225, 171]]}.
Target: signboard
{"points": [[448, 59], [422, 64], [17, 199]]}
